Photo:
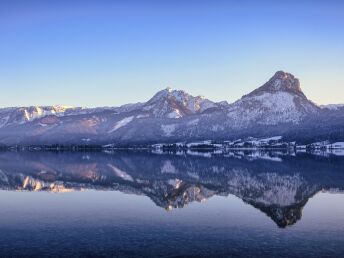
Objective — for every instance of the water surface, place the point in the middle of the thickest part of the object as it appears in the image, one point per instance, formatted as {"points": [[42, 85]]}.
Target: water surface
{"points": [[141, 204]]}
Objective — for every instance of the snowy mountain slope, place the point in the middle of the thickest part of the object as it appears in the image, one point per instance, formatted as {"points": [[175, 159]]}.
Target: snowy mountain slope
{"points": [[279, 107], [170, 103], [21, 115], [280, 100]]}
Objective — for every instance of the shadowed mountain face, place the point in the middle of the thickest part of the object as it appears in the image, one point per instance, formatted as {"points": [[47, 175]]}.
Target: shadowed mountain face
{"points": [[277, 184]]}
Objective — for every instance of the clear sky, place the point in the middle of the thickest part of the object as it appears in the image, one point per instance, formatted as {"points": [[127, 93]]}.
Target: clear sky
{"points": [[107, 53]]}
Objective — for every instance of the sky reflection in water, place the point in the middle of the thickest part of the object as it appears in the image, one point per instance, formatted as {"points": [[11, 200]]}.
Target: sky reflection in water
{"points": [[142, 204]]}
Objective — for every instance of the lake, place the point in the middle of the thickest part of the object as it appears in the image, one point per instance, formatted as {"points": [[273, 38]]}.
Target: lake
{"points": [[171, 204]]}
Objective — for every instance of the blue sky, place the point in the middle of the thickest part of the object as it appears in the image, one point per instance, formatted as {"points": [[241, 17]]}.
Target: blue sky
{"points": [[107, 53]]}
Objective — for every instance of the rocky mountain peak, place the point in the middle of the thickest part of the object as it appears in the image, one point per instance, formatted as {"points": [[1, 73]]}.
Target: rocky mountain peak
{"points": [[280, 100], [168, 93], [281, 81], [173, 103]]}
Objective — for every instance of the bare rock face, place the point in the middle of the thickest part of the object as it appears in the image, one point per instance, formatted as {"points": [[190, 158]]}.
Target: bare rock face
{"points": [[281, 81]]}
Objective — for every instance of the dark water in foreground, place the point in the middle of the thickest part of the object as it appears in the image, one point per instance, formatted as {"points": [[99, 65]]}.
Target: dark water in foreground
{"points": [[139, 204]]}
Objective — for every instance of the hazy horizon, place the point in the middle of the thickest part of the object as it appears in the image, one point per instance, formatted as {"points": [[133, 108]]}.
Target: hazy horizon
{"points": [[109, 53], [152, 94]]}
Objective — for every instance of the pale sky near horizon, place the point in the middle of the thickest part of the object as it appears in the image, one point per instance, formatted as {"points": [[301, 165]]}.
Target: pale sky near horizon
{"points": [[108, 53]]}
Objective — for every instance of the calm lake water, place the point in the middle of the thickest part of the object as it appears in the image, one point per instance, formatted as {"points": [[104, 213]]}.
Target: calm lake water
{"points": [[141, 204]]}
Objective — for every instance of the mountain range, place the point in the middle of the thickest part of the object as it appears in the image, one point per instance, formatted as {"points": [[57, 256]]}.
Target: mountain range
{"points": [[279, 107]]}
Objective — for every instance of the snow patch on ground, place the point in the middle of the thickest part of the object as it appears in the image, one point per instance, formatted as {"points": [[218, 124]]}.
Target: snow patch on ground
{"points": [[121, 123], [174, 114], [142, 116], [168, 129], [216, 128], [193, 122], [336, 145], [33, 113], [200, 154], [4, 120], [192, 144], [274, 138]]}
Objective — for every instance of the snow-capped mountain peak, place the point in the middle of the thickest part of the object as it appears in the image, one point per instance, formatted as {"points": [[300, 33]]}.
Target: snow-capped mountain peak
{"points": [[172, 103], [276, 108], [280, 100], [20, 115]]}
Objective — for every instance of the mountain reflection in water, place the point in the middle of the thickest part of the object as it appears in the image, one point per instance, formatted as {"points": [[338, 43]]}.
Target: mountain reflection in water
{"points": [[278, 184]]}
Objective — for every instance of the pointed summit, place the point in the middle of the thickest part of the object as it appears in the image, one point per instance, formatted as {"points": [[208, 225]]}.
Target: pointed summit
{"points": [[280, 100], [172, 103], [281, 81], [169, 89], [162, 94]]}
